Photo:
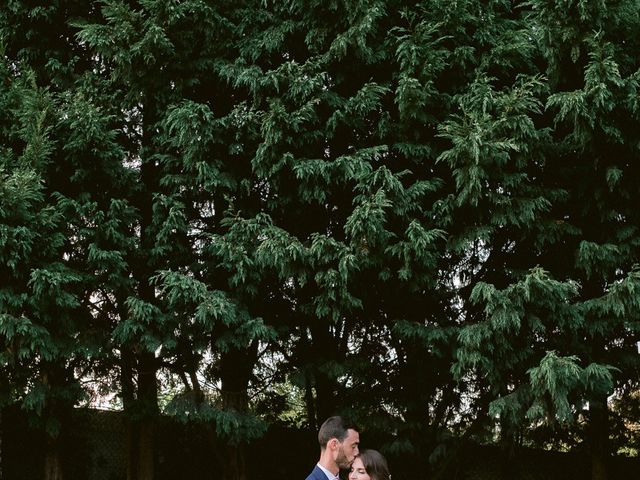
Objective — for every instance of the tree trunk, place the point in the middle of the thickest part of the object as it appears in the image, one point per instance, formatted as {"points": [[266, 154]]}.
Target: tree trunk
{"points": [[52, 464], [325, 396], [325, 348], [599, 436], [141, 414], [144, 411], [127, 361], [236, 369], [309, 402], [148, 410], [132, 449], [54, 377], [235, 466], [146, 462], [140, 448]]}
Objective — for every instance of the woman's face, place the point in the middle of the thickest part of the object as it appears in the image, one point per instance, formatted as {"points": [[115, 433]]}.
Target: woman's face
{"points": [[358, 472]]}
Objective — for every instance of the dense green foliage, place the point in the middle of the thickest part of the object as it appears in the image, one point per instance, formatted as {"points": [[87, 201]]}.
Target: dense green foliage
{"points": [[423, 214]]}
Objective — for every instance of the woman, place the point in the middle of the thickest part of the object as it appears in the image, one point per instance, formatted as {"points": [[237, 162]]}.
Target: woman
{"points": [[369, 465]]}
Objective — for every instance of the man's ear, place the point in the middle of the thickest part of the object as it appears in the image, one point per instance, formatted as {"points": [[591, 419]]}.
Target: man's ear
{"points": [[334, 443]]}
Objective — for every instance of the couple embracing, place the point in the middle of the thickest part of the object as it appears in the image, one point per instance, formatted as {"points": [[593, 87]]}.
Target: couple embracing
{"points": [[339, 450]]}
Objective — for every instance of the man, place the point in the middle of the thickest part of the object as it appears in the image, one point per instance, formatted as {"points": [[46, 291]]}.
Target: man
{"points": [[339, 442]]}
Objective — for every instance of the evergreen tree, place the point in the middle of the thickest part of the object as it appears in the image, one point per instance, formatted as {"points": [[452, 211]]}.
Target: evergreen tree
{"points": [[44, 296], [180, 120], [558, 319], [421, 214]]}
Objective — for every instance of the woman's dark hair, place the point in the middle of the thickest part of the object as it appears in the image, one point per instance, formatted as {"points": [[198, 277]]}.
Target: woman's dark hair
{"points": [[375, 464]]}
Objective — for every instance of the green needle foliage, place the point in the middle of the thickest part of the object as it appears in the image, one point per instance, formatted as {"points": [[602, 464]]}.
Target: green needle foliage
{"points": [[241, 214]]}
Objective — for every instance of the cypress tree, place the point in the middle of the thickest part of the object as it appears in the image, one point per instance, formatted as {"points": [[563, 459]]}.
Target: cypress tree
{"points": [[44, 293], [556, 327], [418, 214]]}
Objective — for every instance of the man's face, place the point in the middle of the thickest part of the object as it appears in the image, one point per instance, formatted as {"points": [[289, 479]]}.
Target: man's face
{"points": [[348, 449]]}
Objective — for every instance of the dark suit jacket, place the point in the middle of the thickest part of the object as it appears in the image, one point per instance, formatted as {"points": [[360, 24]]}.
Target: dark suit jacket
{"points": [[316, 474]]}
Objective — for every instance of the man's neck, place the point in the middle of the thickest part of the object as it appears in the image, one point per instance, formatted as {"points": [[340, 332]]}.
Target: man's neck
{"points": [[329, 465]]}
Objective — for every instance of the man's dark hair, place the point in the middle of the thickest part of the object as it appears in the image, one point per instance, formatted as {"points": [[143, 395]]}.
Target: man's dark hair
{"points": [[335, 427]]}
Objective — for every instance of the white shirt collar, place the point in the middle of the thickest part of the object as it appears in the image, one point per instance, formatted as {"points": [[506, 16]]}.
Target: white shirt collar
{"points": [[330, 476]]}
